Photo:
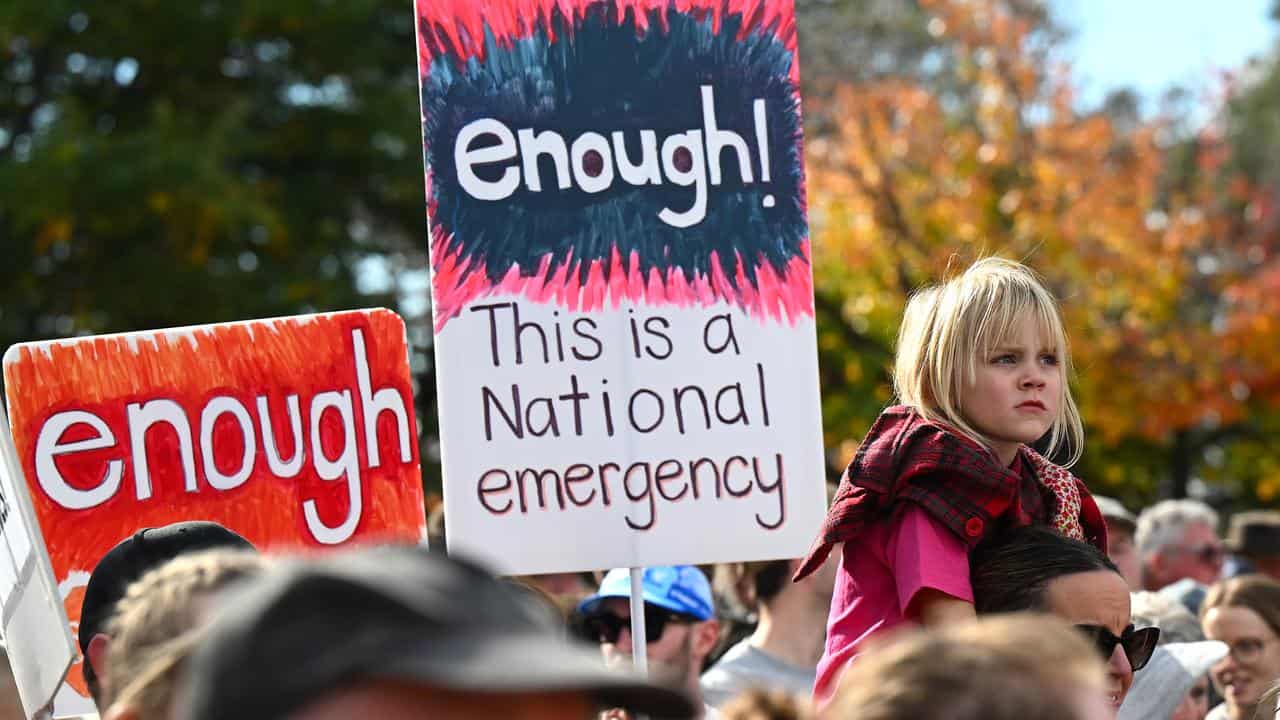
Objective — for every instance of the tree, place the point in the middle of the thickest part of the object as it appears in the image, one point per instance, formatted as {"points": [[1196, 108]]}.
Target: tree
{"points": [[1156, 269], [180, 163], [177, 163], [859, 40], [1250, 135]]}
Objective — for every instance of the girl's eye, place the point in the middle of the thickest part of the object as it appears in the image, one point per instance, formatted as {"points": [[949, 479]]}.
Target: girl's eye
{"points": [[1049, 359], [1005, 359]]}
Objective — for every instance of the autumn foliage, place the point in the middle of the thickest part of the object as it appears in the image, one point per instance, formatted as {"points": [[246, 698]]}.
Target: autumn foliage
{"points": [[1167, 272]]}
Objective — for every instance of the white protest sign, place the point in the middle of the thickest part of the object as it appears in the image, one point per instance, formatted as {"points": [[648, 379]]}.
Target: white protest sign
{"points": [[625, 342], [36, 634]]}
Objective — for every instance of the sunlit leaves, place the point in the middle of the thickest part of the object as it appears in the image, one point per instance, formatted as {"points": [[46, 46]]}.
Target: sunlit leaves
{"points": [[1168, 284]]}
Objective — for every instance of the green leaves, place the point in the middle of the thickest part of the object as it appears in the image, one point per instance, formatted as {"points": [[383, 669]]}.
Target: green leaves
{"points": [[169, 164]]}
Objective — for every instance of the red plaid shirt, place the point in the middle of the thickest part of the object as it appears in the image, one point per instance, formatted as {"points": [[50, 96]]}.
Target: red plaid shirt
{"points": [[957, 481]]}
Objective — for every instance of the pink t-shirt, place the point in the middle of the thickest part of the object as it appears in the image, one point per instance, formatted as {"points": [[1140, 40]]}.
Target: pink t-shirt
{"points": [[880, 574]]}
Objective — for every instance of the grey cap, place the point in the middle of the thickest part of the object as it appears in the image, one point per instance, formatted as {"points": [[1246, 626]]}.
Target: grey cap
{"points": [[1159, 687], [1113, 510], [307, 629]]}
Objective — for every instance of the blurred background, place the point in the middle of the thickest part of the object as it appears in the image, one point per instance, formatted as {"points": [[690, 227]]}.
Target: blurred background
{"points": [[171, 163]]}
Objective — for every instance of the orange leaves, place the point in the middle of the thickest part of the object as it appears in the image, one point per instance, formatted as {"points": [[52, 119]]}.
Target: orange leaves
{"points": [[54, 231], [1163, 275]]}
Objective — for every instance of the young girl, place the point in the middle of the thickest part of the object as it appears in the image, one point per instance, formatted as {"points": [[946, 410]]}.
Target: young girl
{"points": [[981, 372]]}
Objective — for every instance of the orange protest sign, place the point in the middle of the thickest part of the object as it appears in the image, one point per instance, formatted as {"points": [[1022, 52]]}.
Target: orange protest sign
{"points": [[294, 432]]}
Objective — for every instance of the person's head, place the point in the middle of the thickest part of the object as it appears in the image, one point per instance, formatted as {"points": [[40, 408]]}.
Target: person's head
{"points": [[1121, 525], [767, 584], [1255, 536], [1035, 568], [1195, 703], [1178, 539], [1244, 613], [759, 704], [1006, 668], [150, 628], [679, 616], [565, 590], [129, 560], [1175, 683], [399, 633], [986, 353], [1176, 623]]}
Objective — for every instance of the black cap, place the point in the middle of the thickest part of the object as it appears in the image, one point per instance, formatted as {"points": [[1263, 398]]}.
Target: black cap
{"points": [[306, 629], [132, 557], [1255, 533]]}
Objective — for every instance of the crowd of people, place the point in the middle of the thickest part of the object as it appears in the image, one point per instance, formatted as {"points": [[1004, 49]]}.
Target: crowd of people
{"points": [[959, 574], [189, 621]]}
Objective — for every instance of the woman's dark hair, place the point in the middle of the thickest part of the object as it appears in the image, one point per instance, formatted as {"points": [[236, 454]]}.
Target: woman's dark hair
{"points": [[1010, 571], [771, 578]]}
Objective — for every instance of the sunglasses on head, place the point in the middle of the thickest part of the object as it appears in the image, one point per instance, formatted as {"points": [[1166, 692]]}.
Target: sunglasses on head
{"points": [[605, 627], [1138, 644]]}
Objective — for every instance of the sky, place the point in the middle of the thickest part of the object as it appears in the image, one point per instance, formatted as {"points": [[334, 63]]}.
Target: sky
{"points": [[1151, 44]]}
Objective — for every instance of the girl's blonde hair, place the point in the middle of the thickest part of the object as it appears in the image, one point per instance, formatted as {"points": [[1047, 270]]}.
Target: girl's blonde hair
{"points": [[947, 329]]}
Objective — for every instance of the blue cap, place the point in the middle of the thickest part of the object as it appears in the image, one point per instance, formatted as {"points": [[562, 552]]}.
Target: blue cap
{"points": [[678, 588]]}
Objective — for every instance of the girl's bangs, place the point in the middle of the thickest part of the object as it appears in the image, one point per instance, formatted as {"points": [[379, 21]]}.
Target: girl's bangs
{"points": [[1006, 314]]}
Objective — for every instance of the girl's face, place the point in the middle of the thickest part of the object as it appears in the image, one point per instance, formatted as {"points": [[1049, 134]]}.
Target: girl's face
{"points": [[1015, 396], [1253, 664]]}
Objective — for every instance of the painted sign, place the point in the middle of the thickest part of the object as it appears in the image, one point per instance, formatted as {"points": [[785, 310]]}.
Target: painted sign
{"points": [[626, 358], [293, 432]]}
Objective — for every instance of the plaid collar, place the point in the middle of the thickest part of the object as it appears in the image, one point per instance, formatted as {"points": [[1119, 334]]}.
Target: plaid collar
{"points": [[957, 481]]}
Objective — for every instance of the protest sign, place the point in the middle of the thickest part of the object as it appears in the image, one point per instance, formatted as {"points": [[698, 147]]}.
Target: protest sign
{"points": [[293, 432], [621, 282], [37, 638]]}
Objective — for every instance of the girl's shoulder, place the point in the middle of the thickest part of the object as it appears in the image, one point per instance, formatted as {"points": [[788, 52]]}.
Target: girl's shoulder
{"points": [[907, 419]]}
